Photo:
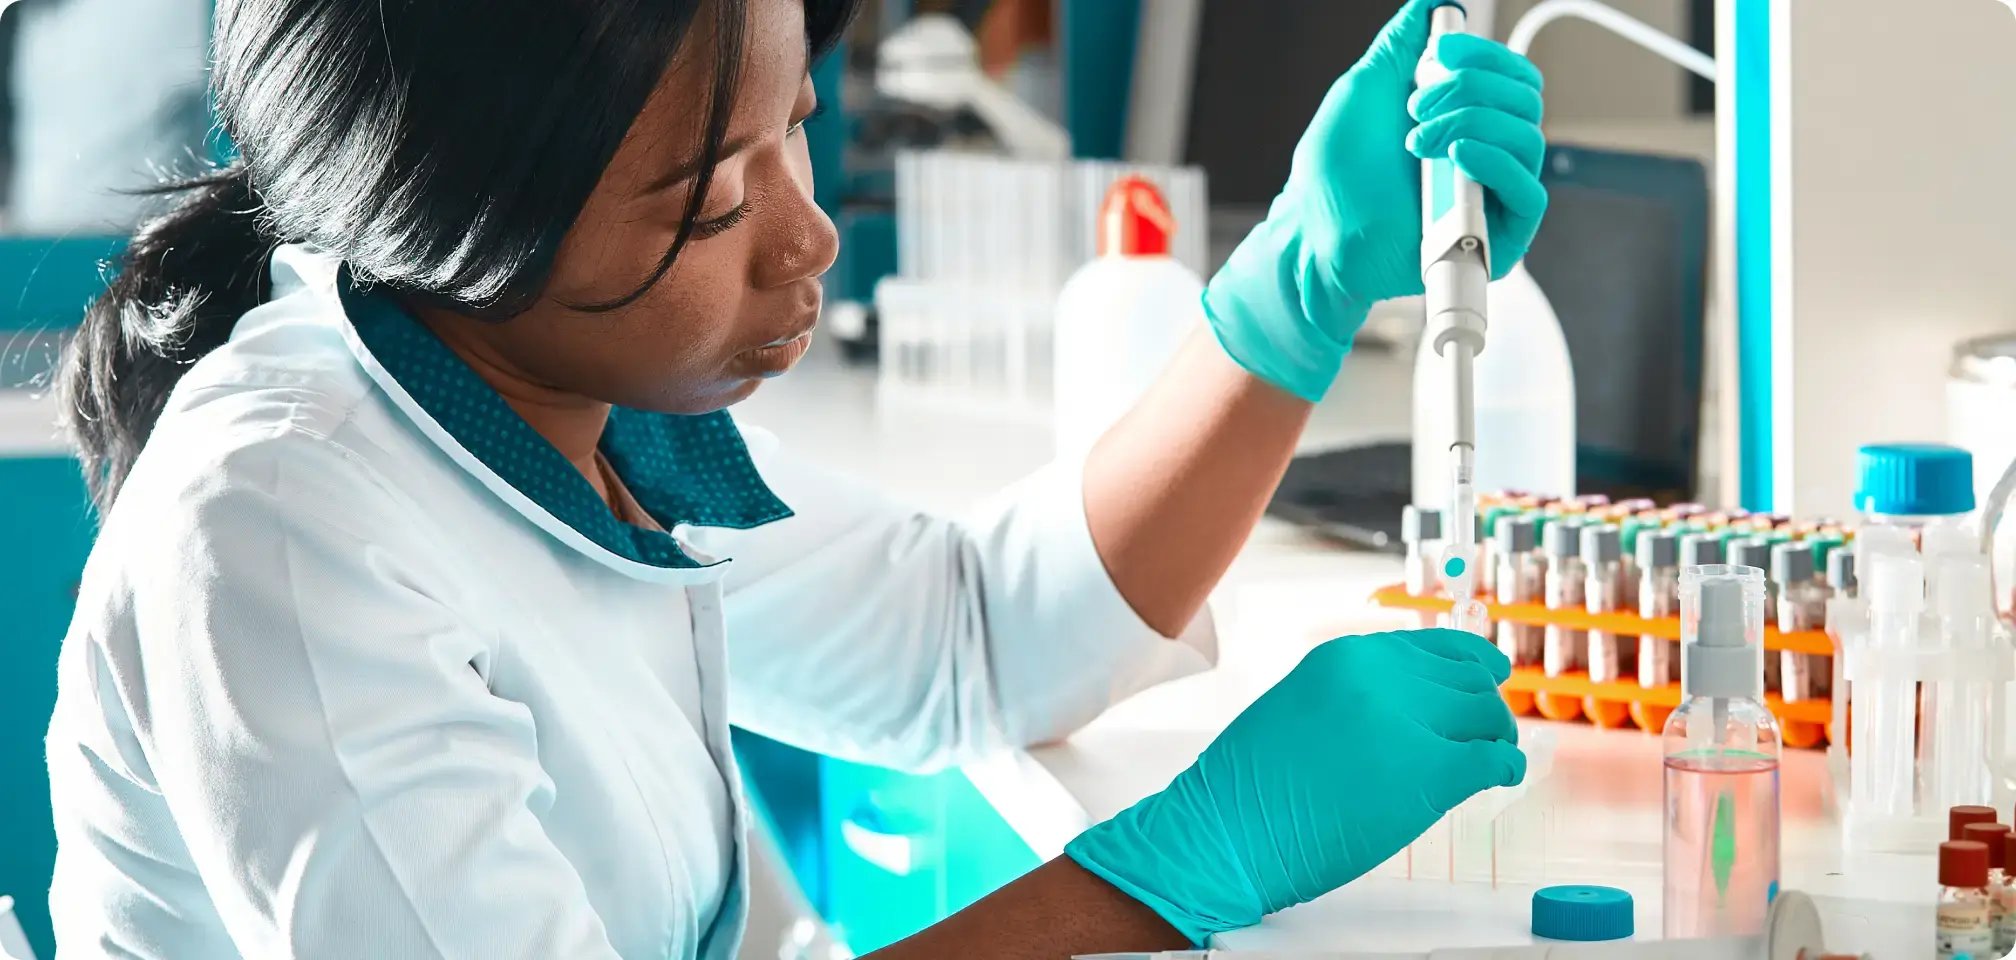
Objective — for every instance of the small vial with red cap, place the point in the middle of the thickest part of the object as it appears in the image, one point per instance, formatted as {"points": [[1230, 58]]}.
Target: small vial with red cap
{"points": [[1963, 928], [1957, 819], [2004, 894], [1994, 836]]}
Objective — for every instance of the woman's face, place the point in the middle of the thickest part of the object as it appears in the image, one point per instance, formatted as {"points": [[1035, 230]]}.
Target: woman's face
{"points": [[739, 304]]}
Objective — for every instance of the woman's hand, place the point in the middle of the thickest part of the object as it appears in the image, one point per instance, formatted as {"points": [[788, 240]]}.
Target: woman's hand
{"points": [[1345, 231], [1363, 746]]}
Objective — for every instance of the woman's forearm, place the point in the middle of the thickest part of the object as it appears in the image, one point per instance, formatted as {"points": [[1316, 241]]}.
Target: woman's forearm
{"points": [[1175, 487], [1054, 912]]}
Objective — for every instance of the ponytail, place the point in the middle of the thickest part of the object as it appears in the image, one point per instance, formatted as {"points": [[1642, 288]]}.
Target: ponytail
{"points": [[180, 287]]}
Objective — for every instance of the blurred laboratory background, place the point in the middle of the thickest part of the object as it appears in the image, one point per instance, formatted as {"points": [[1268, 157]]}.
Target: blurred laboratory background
{"points": [[1746, 272]]}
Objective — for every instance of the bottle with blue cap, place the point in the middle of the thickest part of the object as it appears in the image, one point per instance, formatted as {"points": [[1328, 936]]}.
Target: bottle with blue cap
{"points": [[1722, 749], [1913, 486]]}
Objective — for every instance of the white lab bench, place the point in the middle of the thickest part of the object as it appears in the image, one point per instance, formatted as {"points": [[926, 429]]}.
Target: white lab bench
{"points": [[1286, 593]]}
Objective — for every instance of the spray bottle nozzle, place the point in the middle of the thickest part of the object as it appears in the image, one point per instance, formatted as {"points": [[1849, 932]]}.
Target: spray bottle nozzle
{"points": [[1722, 630]]}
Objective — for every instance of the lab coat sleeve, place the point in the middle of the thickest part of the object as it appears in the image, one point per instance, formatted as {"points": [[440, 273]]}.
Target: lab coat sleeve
{"points": [[319, 724], [872, 631]]}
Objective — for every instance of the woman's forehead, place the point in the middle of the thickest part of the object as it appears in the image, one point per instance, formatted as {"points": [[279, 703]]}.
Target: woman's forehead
{"points": [[769, 72]]}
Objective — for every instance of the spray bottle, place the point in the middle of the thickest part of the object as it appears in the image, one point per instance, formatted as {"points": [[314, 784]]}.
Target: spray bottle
{"points": [[1722, 747]]}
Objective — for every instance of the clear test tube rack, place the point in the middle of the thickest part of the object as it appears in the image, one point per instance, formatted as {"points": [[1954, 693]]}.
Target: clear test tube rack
{"points": [[1497, 837], [1991, 669], [1571, 695]]}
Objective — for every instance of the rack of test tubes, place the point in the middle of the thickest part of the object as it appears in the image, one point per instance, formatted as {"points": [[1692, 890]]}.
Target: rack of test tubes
{"points": [[1927, 667], [1583, 595], [984, 245]]}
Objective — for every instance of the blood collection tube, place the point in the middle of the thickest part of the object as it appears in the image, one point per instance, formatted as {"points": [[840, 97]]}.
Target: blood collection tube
{"points": [[1421, 533], [1603, 592], [1802, 605], [1628, 530], [1846, 614], [1700, 548], [1522, 574], [1841, 573], [1487, 547], [1658, 597], [1564, 648], [1755, 551]]}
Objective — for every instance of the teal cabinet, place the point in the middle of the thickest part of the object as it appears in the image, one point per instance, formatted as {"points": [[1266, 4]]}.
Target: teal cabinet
{"points": [[46, 528], [904, 851]]}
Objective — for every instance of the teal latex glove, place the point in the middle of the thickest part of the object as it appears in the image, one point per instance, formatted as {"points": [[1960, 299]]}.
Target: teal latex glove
{"points": [[1345, 231], [1363, 746]]}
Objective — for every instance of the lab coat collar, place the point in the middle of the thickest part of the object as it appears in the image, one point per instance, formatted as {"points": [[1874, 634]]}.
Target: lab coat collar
{"points": [[684, 471]]}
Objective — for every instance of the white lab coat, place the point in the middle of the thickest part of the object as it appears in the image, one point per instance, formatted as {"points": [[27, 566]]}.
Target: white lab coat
{"points": [[336, 689]]}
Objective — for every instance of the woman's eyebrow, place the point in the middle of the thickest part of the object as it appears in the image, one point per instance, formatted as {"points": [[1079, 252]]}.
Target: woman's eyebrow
{"points": [[690, 168]]}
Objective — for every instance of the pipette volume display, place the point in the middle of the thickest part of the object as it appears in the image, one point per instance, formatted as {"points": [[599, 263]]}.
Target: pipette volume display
{"points": [[1455, 267]]}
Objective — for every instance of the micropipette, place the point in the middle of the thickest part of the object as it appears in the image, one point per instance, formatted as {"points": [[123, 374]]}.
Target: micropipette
{"points": [[1455, 268]]}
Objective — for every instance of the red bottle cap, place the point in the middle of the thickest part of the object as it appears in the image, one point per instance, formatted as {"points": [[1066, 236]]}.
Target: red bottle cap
{"points": [[1958, 818], [1135, 221], [1963, 863], [1994, 836], [2008, 850]]}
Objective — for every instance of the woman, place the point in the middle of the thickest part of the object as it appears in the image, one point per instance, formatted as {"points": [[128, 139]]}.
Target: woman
{"points": [[412, 628]]}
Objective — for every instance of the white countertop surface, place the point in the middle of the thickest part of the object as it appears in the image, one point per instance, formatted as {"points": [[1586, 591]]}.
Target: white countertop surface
{"points": [[1286, 593]]}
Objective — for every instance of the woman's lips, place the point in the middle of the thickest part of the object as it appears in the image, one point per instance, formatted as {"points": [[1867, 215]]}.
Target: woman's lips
{"points": [[772, 359]]}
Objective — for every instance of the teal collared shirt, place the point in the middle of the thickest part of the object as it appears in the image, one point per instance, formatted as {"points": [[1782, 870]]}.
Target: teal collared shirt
{"points": [[683, 470]]}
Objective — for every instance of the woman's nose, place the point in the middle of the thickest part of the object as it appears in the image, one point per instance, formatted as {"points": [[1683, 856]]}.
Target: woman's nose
{"points": [[803, 244]]}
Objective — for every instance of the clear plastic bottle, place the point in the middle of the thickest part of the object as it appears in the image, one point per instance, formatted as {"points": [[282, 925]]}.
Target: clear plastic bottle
{"points": [[1722, 751], [1120, 318], [1962, 926], [1912, 486], [1523, 401]]}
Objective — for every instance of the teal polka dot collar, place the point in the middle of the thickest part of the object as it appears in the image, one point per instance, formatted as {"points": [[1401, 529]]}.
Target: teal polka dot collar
{"points": [[682, 470]]}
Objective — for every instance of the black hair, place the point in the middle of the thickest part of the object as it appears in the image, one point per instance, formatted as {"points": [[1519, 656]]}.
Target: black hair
{"points": [[441, 148]]}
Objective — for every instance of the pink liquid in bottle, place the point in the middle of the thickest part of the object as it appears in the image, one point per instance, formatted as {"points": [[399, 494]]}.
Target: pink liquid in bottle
{"points": [[1721, 851]]}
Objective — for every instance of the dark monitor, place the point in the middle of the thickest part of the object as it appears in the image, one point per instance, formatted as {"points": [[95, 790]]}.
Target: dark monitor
{"points": [[1259, 70], [1622, 256]]}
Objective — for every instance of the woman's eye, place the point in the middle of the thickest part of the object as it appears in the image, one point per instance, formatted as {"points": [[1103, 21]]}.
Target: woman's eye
{"points": [[722, 224], [799, 127]]}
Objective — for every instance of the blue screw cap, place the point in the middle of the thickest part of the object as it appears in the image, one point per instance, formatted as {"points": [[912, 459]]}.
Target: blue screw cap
{"points": [[1582, 913], [1914, 479]]}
